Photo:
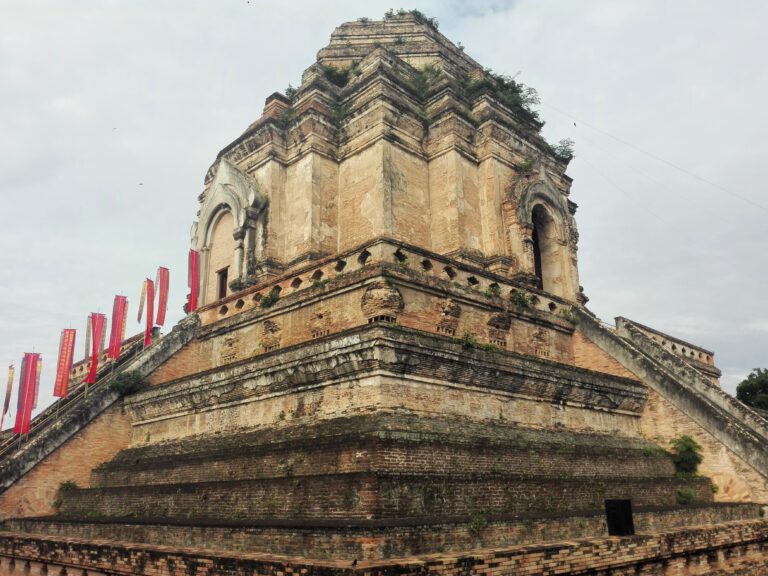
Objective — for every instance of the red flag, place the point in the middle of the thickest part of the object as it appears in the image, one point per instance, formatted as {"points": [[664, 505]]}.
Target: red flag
{"points": [[8, 390], [162, 294], [193, 279], [119, 310], [64, 366], [97, 328], [150, 286], [26, 391]]}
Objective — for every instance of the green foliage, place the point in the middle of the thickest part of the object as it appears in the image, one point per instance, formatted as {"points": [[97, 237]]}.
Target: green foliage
{"points": [[127, 382], [270, 299], [520, 298], [286, 118], [686, 454], [291, 91], [336, 75], [514, 95], [469, 341], [564, 149], [432, 22], [421, 80], [753, 390], [685, 496], [364, 20], [66, 486], [319, 284], [654, 451], [494, 290], [568, 315], [476, 525], [527, 165]]}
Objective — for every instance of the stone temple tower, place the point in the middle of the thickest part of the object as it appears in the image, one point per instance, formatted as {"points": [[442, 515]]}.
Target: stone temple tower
{"points": [[392, 370]]}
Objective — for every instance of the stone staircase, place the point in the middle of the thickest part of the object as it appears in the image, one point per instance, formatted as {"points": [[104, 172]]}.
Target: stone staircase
{"points": [[68, 416], [738, 427]]}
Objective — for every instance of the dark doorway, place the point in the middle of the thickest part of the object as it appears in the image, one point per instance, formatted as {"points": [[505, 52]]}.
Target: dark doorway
{"points": [[222, 282], [618, 514]]}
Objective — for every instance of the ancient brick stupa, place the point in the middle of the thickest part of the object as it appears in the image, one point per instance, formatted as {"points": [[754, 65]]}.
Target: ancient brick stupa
{"points": [[392, 369]]}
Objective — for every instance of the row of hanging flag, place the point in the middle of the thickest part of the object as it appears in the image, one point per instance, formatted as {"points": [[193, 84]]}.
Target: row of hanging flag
{"points": [[95, 336]]}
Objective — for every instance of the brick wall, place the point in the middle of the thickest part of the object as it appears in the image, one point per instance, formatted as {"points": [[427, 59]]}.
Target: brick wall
{"points": [[588, 355], [727, 549], [362, 495], [736, 480], [371, 540], [99, 441]]}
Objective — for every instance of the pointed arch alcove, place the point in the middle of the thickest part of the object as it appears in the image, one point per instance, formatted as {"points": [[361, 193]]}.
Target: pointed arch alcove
{"points": [[548, 233], [231, 232]]}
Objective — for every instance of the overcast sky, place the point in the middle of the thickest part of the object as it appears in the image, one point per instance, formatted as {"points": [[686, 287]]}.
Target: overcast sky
{"points": [[112, 111]]}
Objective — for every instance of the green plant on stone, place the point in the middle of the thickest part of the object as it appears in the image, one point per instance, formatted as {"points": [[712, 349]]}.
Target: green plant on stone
{"points": [[270, 299], [686, 454], [476, 525], [520, 298], [685, 496], [127, 382], [564, 149], [568, 315], [319, 284], [469, 341], [526, 166], [494, 290]]}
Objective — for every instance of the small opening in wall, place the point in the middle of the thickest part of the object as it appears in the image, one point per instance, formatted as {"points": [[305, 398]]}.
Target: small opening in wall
{"points": [[472, 281], [450, 272], [239, 304], [276, 290], [447, 330], [383, 318], [223, 310], [258, 296], [364, 256], [619, 517], [340, 265], [682, 350], [663, 342], [296, 283], [674, 347], [552, 306], [400, 256], [426, 265], [317, 275], [498, 342], [221, 276]]}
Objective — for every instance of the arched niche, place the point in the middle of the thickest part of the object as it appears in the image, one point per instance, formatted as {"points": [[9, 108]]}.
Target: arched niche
{"points": [[231, 233], [549, 238], [219, 255], [547, 250]]}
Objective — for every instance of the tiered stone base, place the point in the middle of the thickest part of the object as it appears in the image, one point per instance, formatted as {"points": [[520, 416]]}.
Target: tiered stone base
{"points": [[735, 548], [379, 486]]}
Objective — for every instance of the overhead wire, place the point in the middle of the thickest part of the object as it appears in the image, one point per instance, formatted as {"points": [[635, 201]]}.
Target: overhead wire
{"points": [[657, 158]]}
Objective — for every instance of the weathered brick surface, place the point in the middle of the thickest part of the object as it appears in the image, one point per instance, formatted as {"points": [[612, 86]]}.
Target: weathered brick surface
{"points": [[588, 355], [732, 548], [366, 495], [98, 442], [370, 539]]}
